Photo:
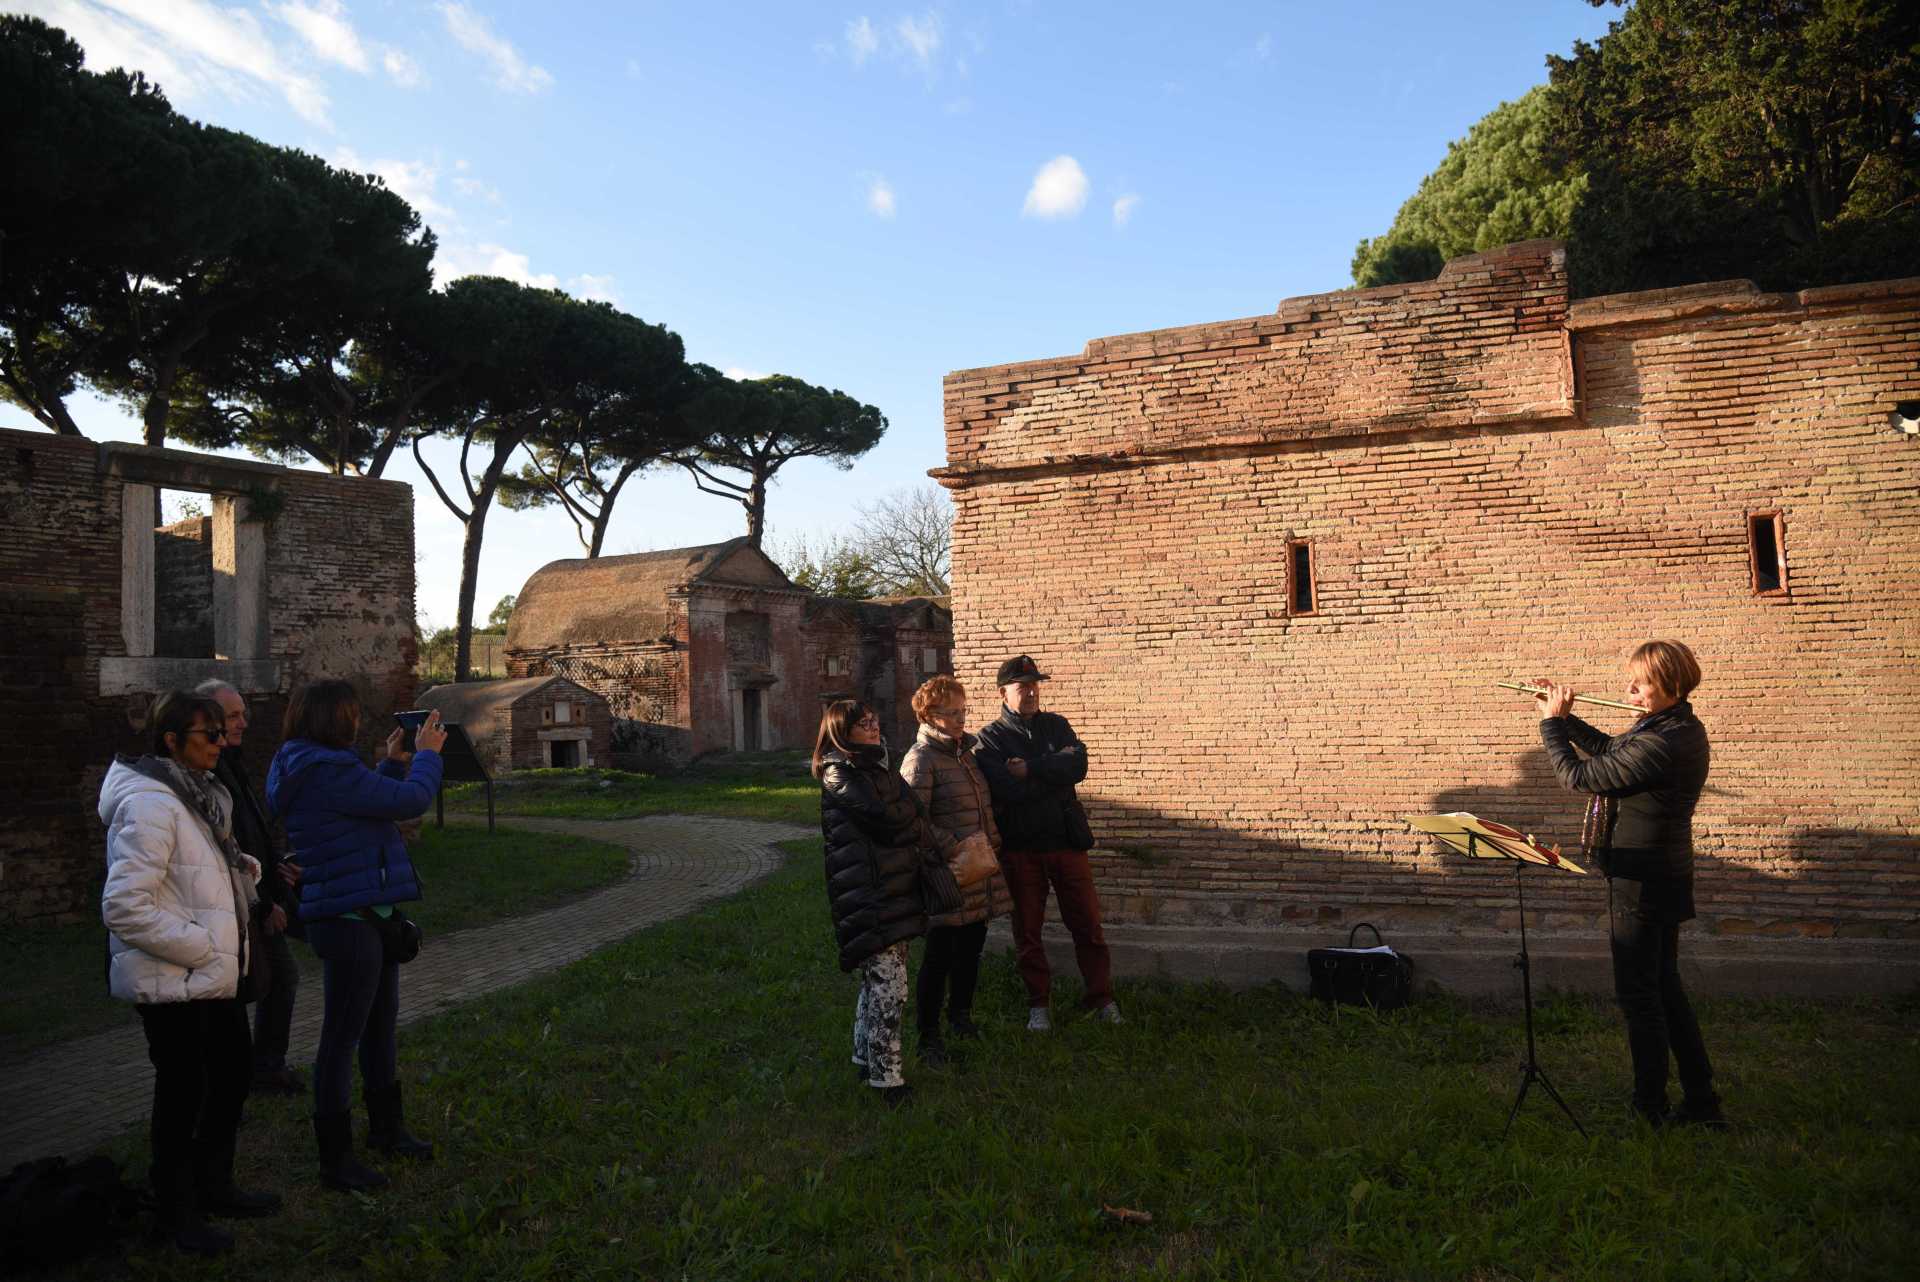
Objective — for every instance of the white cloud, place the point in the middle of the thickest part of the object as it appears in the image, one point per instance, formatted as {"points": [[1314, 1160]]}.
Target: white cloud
{"points": [[324, 25], [189, 47], [402, 69], [414, 181], [474, 187], [862, 41], [1059, 190], [475, 34], [880, 196], [455, 261], [595, 289], [1123, 209], [920, 36], [1263, 47]]}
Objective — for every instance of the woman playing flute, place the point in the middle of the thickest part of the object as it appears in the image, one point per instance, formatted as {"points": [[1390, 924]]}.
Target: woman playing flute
{"points": [[1645, 784]]}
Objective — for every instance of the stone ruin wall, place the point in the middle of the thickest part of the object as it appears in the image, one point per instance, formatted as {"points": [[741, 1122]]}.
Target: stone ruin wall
{"points": [[1495, 483], [339, 602]]}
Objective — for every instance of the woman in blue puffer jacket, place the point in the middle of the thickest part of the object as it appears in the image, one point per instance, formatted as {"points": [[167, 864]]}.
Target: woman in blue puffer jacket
{"points": [[353, 866]]}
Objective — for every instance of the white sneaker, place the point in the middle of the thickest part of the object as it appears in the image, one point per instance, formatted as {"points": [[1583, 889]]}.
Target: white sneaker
{"points": [[1110, 1014], [1039, 1020]]}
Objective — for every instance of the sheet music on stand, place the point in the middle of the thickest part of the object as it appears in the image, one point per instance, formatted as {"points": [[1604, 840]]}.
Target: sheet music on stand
{"points": [[1479, 838]]}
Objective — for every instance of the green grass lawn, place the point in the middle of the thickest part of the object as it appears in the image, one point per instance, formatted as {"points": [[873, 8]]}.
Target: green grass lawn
{"points": [[758, 786], [680, 1106], [56, 985]]}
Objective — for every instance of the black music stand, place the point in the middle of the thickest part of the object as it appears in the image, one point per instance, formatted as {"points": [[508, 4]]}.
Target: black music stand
{"points": [[459, 763], [1483, 839]]}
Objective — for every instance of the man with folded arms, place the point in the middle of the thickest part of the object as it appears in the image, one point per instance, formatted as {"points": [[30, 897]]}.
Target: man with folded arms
{"points": [[1032, 760]]}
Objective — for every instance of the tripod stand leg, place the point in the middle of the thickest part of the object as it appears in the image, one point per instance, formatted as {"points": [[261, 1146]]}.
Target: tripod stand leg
{"points": [[1548, 1087], [1526, 1080]]}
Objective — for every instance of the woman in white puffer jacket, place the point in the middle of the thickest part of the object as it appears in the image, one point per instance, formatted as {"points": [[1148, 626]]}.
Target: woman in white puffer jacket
{"points": [[178, 896]]}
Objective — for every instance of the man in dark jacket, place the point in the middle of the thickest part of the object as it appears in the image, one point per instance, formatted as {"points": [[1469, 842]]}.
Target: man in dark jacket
{"points": [[253, 832], [1645, 784], [1032, 760]]}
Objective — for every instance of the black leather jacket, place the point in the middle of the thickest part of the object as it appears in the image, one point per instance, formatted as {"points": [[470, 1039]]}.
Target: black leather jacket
{"points": [[1032, 812], [1656, 771], [876, 841]]}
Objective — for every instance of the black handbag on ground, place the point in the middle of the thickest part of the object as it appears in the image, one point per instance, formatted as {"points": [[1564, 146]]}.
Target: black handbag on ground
{"points": [[1355, 976]]}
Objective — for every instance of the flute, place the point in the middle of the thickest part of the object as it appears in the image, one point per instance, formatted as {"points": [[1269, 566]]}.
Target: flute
{"points": [[1578, 698]]}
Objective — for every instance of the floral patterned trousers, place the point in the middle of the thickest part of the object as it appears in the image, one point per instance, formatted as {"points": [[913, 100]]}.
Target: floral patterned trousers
{"points": [[879, 1013]]}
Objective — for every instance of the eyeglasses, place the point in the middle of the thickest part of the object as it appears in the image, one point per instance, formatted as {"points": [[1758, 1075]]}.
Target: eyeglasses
{"points": [[864, 722], [209, 732]]}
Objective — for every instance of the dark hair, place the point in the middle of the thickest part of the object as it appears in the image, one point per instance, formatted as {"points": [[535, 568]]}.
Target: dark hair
{"points": [[173, 713], [327, 712], [836, 729]]}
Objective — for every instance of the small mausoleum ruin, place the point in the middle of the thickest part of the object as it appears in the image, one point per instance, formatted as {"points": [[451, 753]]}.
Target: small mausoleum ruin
{"points": [[1276, 565], [528, 723], [288, 577], [713, 649]]}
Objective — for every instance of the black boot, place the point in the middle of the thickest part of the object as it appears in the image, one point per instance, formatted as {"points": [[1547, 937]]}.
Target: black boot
{"points": [[933, 1047], [1699, 1111], [387, 1131], [178, 1217], [219, 1196], [338, 1168], [964, 1029]]}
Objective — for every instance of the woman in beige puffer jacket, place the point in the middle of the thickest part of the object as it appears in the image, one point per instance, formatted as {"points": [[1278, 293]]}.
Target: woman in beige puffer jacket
{"points": [[940, 770]]}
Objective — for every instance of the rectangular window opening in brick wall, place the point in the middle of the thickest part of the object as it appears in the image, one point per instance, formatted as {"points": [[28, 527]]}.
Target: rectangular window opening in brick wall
{"points": [[1302, 593], [562, 714], [1767, 553], [183, 574]]}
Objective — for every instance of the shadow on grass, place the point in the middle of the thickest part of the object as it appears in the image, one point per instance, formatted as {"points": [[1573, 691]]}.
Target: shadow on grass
{"points": [[679, 1105]]}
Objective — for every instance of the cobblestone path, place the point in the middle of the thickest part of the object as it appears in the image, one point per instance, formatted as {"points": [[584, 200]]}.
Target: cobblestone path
{"points": [[71, 1097]]}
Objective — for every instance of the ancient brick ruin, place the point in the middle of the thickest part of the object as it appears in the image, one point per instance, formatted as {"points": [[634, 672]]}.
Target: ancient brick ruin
{"points": [[1276, 565], [294, 576], [713, 649], [528, 723]]}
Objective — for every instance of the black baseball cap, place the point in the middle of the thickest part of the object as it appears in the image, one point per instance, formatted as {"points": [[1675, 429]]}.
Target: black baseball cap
{"points": [[1020, 669]]}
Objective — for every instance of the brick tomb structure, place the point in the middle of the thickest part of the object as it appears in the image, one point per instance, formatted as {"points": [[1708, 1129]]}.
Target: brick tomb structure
{"points": [[1276, 565], [529, 723], [294, 576], [713, 649]]}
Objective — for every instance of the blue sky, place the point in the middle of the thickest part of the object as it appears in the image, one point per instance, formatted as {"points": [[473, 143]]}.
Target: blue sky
{"points": [[863, 197]]}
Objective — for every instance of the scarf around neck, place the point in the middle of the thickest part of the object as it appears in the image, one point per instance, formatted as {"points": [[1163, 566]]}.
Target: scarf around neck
{"points": [[208, 799]]}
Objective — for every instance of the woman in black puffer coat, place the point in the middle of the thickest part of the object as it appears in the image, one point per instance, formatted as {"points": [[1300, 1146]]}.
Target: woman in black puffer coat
{"points": [[876, 842]]}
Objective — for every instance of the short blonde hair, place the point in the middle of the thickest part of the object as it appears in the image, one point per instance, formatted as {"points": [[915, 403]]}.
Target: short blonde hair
{"points": [[935, 691], [1669, 664]]}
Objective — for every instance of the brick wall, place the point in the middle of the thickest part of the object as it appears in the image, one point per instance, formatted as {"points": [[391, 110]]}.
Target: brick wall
{"points": [[588, 710], [340, 603], [183, 588], [1471, 519]]}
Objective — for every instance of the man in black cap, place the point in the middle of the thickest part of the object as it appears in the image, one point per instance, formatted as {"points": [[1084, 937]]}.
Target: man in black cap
{"points": [[1032, 760]]}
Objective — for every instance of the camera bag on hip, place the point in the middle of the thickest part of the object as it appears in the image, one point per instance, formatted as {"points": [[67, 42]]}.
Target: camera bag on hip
{"points": [[1353, 976], [400, 935]]}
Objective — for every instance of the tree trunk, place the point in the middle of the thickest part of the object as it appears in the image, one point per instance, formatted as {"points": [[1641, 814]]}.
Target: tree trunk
{"points": [[604, 516], [503, 447], [757, 509]]}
